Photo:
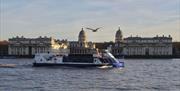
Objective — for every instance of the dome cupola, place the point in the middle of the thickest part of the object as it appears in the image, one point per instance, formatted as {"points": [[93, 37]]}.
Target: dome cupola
{"points": [[118, 36], [82, 36]]}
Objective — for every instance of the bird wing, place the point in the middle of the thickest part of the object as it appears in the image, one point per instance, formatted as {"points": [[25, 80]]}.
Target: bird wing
{"points": [[90, 28], [98, 28]]}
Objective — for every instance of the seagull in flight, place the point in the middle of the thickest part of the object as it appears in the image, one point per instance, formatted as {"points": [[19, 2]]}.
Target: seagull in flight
{"points": [[94, 30]]}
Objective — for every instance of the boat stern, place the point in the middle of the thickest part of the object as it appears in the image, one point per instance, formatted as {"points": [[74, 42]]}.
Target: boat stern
{"points": [[118, 65]]}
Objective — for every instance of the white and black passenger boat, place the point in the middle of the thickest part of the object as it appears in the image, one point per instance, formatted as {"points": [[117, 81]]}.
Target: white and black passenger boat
{"points": [[76, 60]]}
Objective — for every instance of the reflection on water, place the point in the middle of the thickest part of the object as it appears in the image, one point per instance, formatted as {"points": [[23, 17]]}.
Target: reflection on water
{"points": [[139, 74]]}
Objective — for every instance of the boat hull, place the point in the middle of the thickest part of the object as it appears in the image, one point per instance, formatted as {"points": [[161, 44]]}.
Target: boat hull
{"points": [[69, 64]]}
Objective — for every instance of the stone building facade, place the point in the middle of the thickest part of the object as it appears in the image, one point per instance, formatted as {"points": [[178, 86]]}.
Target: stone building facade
{"points": [[154, 46], [141, 46], [82, 46], [30, 46]]}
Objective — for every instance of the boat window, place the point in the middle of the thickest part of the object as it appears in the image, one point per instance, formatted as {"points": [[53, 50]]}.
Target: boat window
{"points": [[102, 60], [109, 60]]}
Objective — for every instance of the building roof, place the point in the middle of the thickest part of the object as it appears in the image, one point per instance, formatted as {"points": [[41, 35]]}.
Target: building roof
{"points": [[146, 38]]}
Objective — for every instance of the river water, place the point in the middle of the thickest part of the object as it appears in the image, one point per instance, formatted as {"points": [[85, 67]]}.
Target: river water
{"points": [[138, 75]]}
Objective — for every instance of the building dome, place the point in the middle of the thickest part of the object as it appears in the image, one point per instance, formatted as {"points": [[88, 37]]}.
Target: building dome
{"points": [[118, 36], [82, 36]]}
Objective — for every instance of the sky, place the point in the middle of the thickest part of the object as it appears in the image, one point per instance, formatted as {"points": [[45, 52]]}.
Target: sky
{"points": [[63, 19]]}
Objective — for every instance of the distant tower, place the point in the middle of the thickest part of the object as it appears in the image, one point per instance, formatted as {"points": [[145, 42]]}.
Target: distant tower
{"points": [[118, 37], [82, 36]]}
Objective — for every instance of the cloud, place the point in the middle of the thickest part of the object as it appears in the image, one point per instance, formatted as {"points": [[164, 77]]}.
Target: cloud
{"points": [[64, 18]]}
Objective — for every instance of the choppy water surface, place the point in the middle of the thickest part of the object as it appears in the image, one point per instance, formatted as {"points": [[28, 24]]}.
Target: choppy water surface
{"points": [[138, 75]]}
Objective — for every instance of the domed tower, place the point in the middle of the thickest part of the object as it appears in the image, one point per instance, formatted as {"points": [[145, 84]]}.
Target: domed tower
{"points": [[118, 37], [82, 36]]}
